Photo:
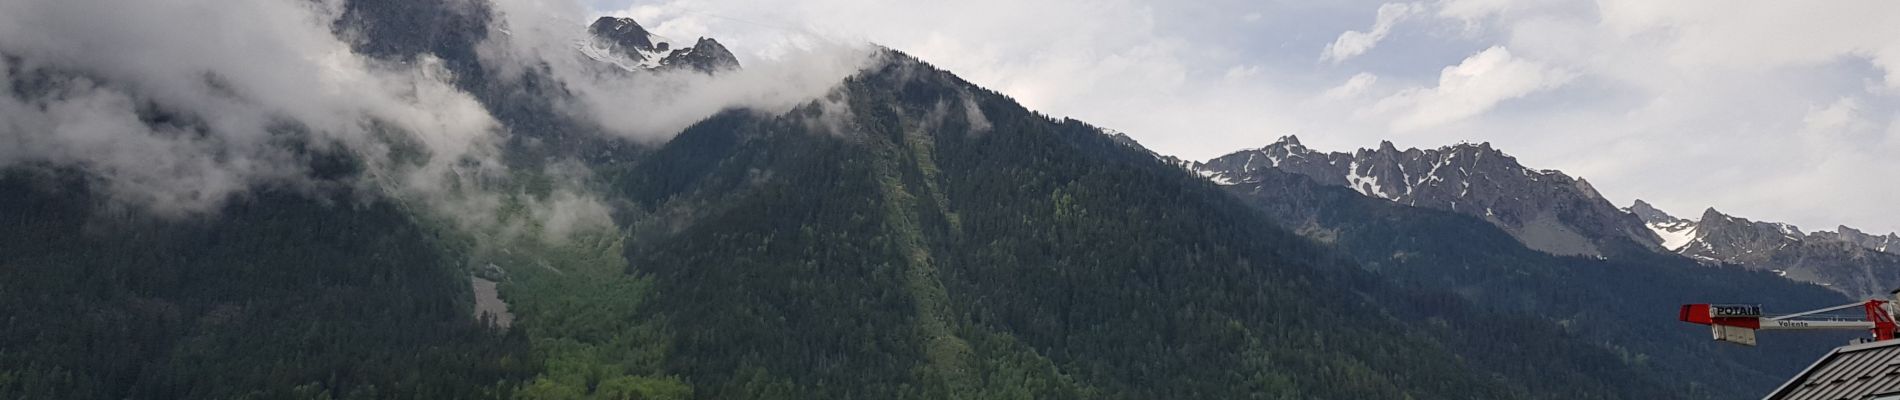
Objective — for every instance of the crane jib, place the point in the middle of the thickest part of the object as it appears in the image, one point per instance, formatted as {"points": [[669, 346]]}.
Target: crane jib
{"points": [[1737, 323]]}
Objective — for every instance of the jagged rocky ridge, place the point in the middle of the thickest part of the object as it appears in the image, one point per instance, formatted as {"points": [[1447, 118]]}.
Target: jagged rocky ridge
{"points": [[1545, 209], [1847, 260], [623, 42], [1555, 213]]}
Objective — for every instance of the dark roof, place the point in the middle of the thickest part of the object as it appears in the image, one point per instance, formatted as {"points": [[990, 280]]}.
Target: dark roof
{"points": [[1853, 372]]}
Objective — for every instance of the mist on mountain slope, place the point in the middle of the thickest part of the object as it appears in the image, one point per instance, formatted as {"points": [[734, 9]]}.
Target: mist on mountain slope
{"points": [[652, 107], [174, 118], [177, 116]]}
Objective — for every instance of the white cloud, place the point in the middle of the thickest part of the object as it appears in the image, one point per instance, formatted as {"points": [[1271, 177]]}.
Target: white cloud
{"points": [[1471, 11], [175, 118], [1239, 72], [1353, 86], [1730, 100], [1843, 117], [238, 75], [1110, 62], [245, 86], [653, 107], [1470, 88], [1353, 43]]}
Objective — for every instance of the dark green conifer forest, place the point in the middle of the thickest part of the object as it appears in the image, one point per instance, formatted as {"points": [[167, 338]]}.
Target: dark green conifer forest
{"points": [[909, 236]]}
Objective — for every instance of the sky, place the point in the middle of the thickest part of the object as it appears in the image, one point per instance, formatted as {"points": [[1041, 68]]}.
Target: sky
{"points": [[1780, 111]]}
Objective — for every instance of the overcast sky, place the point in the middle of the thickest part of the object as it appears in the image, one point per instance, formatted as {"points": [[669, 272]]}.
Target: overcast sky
{"points": [[1768, 110]]}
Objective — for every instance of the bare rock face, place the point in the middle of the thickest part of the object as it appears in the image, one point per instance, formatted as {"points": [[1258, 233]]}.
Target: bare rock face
{"points": [[1889, 243], [625, 38], [1545, 209], [623, 32], [707, 56], [1558, 214], [1848, 261], [489, 306]]}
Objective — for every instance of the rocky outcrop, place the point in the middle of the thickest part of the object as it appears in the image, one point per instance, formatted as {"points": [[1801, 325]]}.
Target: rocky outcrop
{"points": [[705, 56], [1848, 261], [1545, 209], [623, 42]]}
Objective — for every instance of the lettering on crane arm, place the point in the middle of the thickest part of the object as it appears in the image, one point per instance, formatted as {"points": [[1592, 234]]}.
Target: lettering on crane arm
{"points": [[1791, 324], [1734, 310]]}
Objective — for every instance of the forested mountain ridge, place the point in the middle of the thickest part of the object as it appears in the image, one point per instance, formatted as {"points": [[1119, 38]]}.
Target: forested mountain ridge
{"points": [[905, 235], [1048, 234]]}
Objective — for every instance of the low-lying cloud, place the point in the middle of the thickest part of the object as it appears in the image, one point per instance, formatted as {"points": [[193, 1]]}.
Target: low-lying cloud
{"points": [[652, 106], [235, 80], [177, 105]]}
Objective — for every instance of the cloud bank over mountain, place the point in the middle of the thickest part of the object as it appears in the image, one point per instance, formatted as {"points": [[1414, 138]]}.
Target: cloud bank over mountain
{"points": [[652, 107], [1685, 104], [177, 105], [180, 115]]}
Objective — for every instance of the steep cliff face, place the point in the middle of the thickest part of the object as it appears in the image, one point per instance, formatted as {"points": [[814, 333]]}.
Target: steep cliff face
{"points": [[1545, 209]]}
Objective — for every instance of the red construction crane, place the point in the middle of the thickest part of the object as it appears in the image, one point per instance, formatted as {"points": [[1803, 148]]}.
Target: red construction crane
{"points": [[1737, 323]]}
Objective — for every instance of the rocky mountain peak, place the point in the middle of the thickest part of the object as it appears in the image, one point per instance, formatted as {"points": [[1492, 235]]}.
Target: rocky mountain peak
{"points": [[1546, 210], [623, 42], [1711, 214], [1849, 261], [1890, 243], [1650, 214], [1726, 238], [624, 32], [706, 55], [1674, 232], [1287, 145]]}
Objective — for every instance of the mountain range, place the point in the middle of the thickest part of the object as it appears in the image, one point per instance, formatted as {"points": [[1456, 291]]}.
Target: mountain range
{"points": [[1552, 212], [1846, 260], [904, 234], [1545, 209]]}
